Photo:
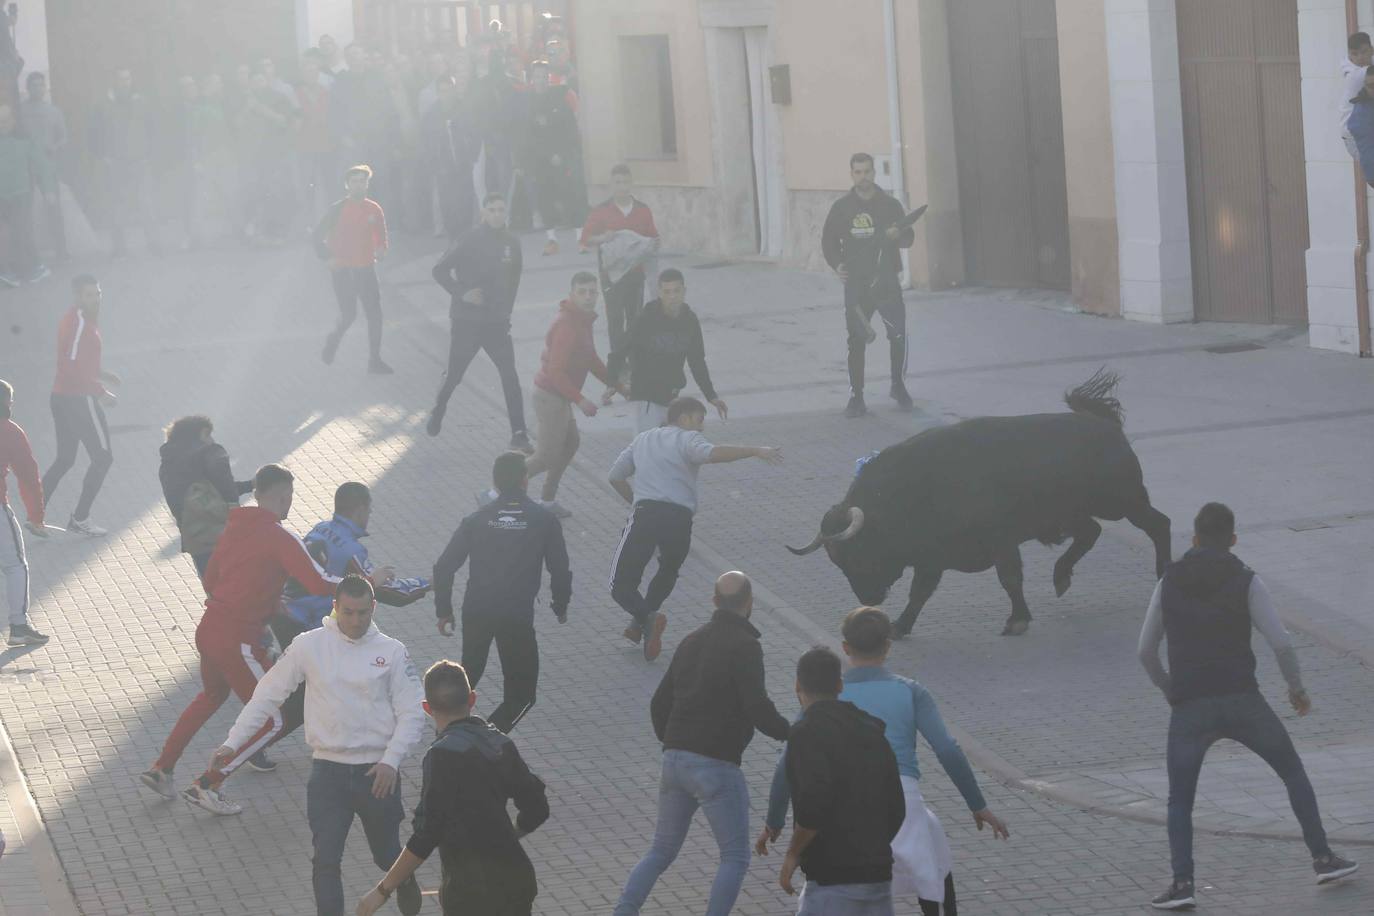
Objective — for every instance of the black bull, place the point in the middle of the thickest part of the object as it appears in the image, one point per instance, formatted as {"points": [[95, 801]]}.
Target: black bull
{"points": [[966, 496]]}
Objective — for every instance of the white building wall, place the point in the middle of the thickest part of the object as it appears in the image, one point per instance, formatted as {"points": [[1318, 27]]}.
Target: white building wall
{"points": [[324, 17], [1331, 314], [31, 38], [1147, 146]]}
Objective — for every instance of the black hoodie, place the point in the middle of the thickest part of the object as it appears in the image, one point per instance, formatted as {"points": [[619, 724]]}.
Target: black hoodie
{"points": [[1205, 602], [186, 462], [845, 784]]}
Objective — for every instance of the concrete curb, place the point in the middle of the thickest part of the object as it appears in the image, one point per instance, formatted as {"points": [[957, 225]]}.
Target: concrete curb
{"points": [[52, 878]]}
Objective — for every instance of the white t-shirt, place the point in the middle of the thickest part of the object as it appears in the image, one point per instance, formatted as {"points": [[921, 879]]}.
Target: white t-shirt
{"points": [[1352, 82], [664, 463]]}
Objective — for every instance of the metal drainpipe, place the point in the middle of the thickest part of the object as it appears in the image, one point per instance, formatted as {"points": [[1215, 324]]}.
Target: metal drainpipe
{"points": [[1352, 23], [894, 119]]}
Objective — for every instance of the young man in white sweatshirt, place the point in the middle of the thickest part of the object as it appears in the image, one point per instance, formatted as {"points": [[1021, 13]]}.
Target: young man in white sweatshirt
{"points": [[363, 714]]}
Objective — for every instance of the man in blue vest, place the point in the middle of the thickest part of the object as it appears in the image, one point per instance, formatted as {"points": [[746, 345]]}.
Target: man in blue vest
{"points": [[1206, 604]]}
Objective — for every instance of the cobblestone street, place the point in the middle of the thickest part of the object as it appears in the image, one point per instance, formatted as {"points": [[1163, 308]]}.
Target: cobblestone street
{"points": [[1064, 728]]}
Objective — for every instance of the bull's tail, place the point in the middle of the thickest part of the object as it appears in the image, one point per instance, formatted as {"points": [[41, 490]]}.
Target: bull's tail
{"points": [[1097, 396]]}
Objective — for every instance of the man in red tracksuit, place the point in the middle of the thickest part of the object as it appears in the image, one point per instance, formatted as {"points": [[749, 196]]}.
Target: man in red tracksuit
{"points": [[352, 235], [243, 584], [16, 455], [623, 211]]}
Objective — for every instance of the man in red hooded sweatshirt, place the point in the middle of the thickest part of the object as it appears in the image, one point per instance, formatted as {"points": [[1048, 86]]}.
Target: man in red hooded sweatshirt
{"points": [[16, 455], [569, 354], [255, 556]]}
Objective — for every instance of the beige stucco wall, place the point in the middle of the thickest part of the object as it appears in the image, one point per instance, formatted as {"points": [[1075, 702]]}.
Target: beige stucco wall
{"points": [[1088, 159]]}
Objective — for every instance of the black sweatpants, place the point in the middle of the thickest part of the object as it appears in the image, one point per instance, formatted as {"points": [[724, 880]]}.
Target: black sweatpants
{"points": [[653, 526], [949, 908], [79, 419], [16, 218], [468, 336], [624, 299], [519, 653], [351, 285], [862, 298]]}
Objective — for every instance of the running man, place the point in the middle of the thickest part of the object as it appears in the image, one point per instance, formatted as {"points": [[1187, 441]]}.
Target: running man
{"points": [[860, 242], [666, 335], [363, 716], [481, 273], [1206, 605], [15, 455], [509, 542], [470, 771], [79, 397], [243, 585], [921, 859], [664, 463], [352, 235]]}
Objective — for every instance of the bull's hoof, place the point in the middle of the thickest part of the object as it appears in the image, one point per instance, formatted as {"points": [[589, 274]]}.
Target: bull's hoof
{"points": [[1016, 628], [1061, 584]]}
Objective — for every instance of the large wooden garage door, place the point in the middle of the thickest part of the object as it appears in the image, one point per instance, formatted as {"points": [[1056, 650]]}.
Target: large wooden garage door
{"points": [[1242, 131], [1009, 134]]}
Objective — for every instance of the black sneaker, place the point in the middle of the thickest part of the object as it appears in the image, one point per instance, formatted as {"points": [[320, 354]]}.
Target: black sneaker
{"points": [[520, 442], [856, 407], [1332, 867], [1179, 896], [21, 635], [436, 421], [903, 399], [408, 899], [375, 366], [262, 763], [331, 347]]}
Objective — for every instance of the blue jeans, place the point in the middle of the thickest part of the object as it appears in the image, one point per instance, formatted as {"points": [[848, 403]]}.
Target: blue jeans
{"points": [[846, 899], [690, 781], [334, 794], [1246, 719]]}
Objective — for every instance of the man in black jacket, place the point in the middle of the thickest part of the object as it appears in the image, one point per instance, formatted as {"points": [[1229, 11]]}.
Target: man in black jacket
{"points": [[470, 771], [1206, 605], [705, 712], [510, 541], [847, 799], [191, 456], [666, 335], [482, 274], [861, 241]]}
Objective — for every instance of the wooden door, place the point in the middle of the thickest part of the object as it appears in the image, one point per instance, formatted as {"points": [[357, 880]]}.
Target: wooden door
{"points": [[1009, 134], [1242, 132]]}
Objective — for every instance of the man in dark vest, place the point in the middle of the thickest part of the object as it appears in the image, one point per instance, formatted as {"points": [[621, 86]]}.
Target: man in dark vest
{"points": [[1206, 604]]}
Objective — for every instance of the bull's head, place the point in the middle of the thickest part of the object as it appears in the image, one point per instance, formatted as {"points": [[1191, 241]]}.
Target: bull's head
{"points": [[860, 555]]}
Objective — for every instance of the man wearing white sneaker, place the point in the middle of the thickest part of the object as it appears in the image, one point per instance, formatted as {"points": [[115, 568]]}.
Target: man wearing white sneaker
{"points": [[363, 715], [79, 397], [509, 542], [16, 455]]}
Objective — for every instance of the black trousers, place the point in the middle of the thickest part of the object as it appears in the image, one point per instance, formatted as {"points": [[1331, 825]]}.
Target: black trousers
{"points": [[555, 195], [949, 908], [486, 885], [79, 420], [16, 214], [519, 653], [862, 298], [624, 299], [467, 337], [351, 286], [457, 200], [653, 526]]}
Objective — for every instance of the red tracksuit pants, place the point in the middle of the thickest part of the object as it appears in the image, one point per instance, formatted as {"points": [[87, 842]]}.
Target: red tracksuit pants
{"points": [[229, 665]]}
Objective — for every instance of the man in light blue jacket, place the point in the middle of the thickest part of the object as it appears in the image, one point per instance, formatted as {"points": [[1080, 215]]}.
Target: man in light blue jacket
{"points": [[921, 859], [1361, 126]]}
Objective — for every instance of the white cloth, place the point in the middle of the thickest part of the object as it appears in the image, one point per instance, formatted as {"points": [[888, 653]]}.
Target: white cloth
{"points": [[15, 567], [624, 251], [920, 852], [362, 696], [1352, 82], [664, 464], [649, 415]]}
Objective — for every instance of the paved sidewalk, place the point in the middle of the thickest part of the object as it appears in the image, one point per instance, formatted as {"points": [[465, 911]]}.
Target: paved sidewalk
{"points": [[1281, 432]]}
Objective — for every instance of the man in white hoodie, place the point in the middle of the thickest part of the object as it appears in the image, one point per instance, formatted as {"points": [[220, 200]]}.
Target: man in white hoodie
{"points": [[363, 714]]}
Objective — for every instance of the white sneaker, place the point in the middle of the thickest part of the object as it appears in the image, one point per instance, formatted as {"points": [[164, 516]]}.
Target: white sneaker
{"points": [[87, 527], [557, 510], [160, 781], [210, 800]]}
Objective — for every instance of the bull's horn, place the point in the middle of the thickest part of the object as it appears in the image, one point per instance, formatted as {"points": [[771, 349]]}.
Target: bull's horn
{"points": [[809, 548], [856, 521]]}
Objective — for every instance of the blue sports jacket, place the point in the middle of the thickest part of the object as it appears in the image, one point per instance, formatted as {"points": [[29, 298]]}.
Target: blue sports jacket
{"points": [[332, 544]]}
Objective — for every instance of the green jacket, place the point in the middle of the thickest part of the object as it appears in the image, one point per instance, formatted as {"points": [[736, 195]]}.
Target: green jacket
{"points": [[23, 164]]}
